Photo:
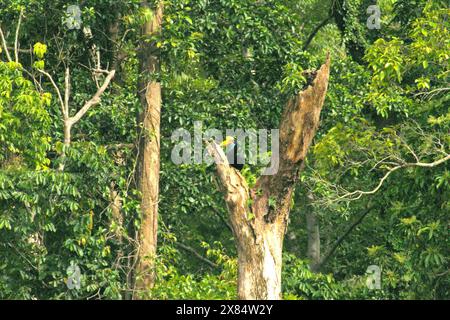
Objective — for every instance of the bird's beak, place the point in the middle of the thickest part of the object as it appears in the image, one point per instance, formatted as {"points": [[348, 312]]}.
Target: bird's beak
{"points": [[226, 142]]}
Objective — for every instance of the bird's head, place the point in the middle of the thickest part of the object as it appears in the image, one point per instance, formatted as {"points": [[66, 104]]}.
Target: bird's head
{"points": [[228, 140]]}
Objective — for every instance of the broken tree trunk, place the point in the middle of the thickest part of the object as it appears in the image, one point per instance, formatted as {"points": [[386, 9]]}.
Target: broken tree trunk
{"points": [[147, 171], [259, 225]]}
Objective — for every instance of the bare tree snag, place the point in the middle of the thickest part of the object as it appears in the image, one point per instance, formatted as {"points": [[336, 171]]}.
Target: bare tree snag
{"points": [[69, 121], [258, 227], [147, 171]]}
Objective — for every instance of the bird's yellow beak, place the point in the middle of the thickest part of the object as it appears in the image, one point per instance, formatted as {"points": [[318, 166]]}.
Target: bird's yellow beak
{"points": [[226, 142]]}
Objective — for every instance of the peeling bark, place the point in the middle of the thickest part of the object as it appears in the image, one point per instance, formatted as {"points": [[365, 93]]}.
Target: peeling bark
{"points": [[258, 228]]}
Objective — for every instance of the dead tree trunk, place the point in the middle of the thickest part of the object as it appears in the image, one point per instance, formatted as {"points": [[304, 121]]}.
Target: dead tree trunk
{"points": [[259, 225], [147, 171]]}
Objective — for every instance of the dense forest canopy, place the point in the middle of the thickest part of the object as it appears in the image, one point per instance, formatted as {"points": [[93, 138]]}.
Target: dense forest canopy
{"points": [[92, 205]]}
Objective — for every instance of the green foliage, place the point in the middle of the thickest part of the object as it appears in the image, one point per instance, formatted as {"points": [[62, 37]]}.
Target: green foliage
{"points": [[400, 70], [230, 64], [39, 50], [50, 220], [23, 113], [172, 284], [300, 283]]}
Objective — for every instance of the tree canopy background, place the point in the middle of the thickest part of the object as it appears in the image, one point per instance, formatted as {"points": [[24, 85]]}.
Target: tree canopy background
{"points": [[230, 64]]}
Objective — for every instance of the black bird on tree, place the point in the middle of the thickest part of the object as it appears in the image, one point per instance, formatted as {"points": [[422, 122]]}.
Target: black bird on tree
{"points": [[233, 153]]}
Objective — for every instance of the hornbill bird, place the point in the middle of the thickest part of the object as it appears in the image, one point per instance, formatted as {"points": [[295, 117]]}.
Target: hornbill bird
{"points": [[234, 155]]}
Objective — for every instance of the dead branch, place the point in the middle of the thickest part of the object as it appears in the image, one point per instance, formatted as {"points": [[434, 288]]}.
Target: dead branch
{"points": [[66, 93], [338, 242], [5, 47], [16, 41], [58, 92], [196, 254], [259, 215], [94, 100], [355, 195], [316, 30], [298, 127]]}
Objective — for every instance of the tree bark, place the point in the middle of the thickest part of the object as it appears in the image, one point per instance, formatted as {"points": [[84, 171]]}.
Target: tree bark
{"points": [[259, 225], [67, 133], [147, 171]]}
